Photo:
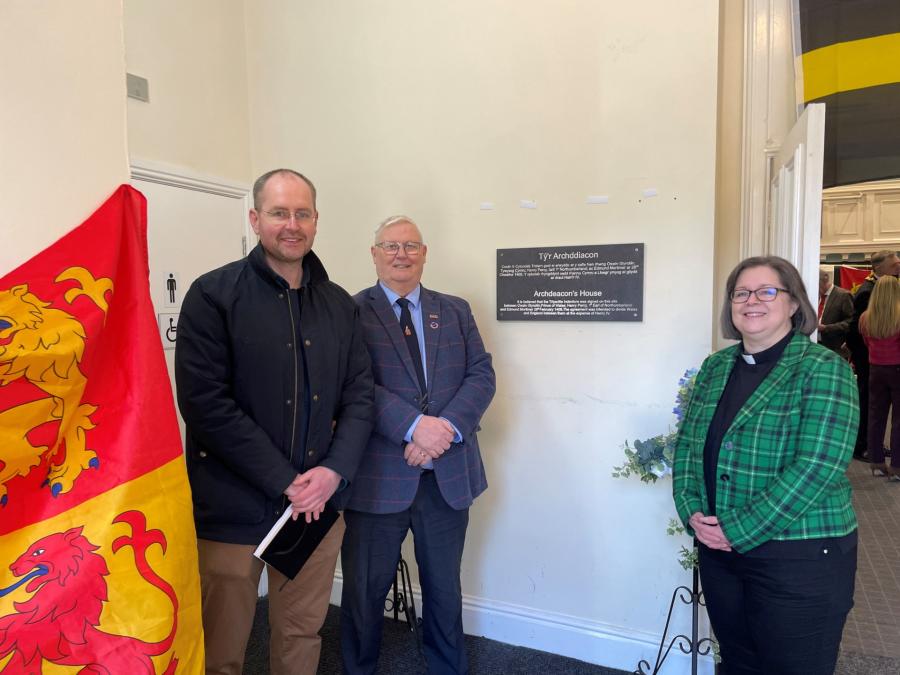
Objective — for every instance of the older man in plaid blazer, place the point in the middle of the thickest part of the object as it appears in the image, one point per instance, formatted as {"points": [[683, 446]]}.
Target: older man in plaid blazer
{"points": [[422, 467]]}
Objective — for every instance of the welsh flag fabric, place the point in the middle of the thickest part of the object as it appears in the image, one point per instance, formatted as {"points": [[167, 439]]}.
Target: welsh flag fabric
{"points": [[98, 555], [852, 277]]}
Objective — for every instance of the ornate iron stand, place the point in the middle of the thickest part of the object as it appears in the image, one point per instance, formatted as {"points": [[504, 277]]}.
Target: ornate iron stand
{"points": [[401, 600], [688, 645]]}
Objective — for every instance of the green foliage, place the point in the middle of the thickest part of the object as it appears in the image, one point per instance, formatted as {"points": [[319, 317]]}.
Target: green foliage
{"points": [[675, 527], [651, 459], [687, 558]]}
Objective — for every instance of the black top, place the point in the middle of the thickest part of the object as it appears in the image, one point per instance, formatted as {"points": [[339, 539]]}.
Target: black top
{"points": [[744, 379], [748, 373], [855, 341]]}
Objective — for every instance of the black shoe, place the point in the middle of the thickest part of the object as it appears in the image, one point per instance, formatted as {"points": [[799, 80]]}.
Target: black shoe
{"points": [[861, 457]]}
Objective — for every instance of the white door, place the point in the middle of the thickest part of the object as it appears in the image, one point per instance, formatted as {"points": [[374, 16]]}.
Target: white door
{"points": [[193, 226], [795, 197]]}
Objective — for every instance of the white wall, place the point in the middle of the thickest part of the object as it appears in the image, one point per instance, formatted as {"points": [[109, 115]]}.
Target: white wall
{"points": [[62, 118], [192, 54], [432, 108]]}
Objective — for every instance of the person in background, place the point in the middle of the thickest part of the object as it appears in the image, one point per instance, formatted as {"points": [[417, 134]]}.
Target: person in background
{"points": [[759, 479], [884, 263], [275, 386], [835, 313], [880, 328]]}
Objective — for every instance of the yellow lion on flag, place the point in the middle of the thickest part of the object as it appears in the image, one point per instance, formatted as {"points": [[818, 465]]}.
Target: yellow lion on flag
{"points": [[45, 345]]}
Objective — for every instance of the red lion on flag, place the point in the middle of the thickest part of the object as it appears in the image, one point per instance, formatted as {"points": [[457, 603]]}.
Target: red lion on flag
{"points": [[59, 622]]}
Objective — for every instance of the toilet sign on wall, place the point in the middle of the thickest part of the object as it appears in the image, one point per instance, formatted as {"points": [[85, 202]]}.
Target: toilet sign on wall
{"points": [[169, 290], [168, 329]]}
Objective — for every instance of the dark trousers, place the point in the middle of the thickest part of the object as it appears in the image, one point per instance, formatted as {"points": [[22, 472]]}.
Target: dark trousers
{"points": [[884, 391], [861, 364], [776, 616], [369, 557]]}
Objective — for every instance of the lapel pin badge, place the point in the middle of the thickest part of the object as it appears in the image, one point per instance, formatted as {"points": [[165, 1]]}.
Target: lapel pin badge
{"points": [[434, 324]]}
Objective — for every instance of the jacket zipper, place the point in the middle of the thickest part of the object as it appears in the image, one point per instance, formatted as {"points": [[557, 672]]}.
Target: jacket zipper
{"points": [[296, 377]]}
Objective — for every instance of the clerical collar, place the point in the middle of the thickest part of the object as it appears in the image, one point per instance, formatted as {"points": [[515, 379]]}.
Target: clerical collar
{"points": [[773, 353]]}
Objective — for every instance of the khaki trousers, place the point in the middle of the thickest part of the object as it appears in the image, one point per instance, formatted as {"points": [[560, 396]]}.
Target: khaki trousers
{"points": [[229, 579]]}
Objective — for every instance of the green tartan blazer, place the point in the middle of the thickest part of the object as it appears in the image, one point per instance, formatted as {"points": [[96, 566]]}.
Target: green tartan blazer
{"points": [[782, 463]]}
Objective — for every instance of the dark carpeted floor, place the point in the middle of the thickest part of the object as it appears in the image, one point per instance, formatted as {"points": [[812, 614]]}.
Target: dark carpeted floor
{"points": [[486, 657], [400, 657]]}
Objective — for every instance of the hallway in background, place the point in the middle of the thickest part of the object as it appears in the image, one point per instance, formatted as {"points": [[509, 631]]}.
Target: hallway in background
{"points": [[873, 627]]}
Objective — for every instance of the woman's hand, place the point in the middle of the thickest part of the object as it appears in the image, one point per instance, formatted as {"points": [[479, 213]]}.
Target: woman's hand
{"points": [[709, 532]]}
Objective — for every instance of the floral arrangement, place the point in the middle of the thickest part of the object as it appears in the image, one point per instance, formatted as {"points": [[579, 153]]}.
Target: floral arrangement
{"points": [[651, 459]]}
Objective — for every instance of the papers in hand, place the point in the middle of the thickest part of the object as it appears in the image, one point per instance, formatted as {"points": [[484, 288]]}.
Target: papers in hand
{"points": [[290, 543]]}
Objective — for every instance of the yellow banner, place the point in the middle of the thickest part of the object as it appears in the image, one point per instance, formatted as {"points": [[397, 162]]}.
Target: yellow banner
{"points": [[846, 66]]}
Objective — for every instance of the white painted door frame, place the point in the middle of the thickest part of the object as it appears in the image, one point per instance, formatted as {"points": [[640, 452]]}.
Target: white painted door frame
{"points": [[179, 177], [769, 111]]}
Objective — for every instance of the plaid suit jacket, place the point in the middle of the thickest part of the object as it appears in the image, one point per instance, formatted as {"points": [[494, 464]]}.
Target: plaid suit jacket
{"points": [[460, 386], [783, 461]]}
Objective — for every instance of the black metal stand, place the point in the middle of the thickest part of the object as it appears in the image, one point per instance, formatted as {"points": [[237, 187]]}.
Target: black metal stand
{"points": [[688, 645], [401, 600]]}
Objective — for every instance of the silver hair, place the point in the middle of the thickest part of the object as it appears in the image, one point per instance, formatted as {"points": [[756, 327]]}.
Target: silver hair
{"points": [[879, 257], [393, 220]]}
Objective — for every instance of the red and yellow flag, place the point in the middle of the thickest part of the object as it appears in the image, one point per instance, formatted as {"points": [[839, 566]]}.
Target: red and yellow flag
{"points": [[98, 555], [852, 277]]}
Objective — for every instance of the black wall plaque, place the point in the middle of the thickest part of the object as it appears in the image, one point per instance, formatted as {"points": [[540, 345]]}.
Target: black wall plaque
{"points": [[571, 283]]}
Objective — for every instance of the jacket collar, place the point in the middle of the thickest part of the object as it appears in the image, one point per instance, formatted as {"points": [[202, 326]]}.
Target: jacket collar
{"points": [[793, 353], [313, 269], [431, 324]]}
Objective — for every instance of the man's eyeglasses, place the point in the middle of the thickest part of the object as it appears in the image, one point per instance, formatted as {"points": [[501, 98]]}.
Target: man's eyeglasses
{"points": [[393, 247], [282, 216], [764, 294]]}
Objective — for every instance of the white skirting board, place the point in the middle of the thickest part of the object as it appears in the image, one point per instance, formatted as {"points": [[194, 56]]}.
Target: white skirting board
{"points": [[562, 634]]}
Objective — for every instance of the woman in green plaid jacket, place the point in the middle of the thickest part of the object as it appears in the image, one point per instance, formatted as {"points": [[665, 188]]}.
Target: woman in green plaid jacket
{"points": [[760, 479]]}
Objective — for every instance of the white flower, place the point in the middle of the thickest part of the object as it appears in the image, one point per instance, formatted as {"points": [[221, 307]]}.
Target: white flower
{"points": [[660, 470]]}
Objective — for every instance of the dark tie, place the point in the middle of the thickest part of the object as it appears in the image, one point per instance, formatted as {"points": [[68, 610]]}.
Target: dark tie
{"points": [[412, 341]]}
